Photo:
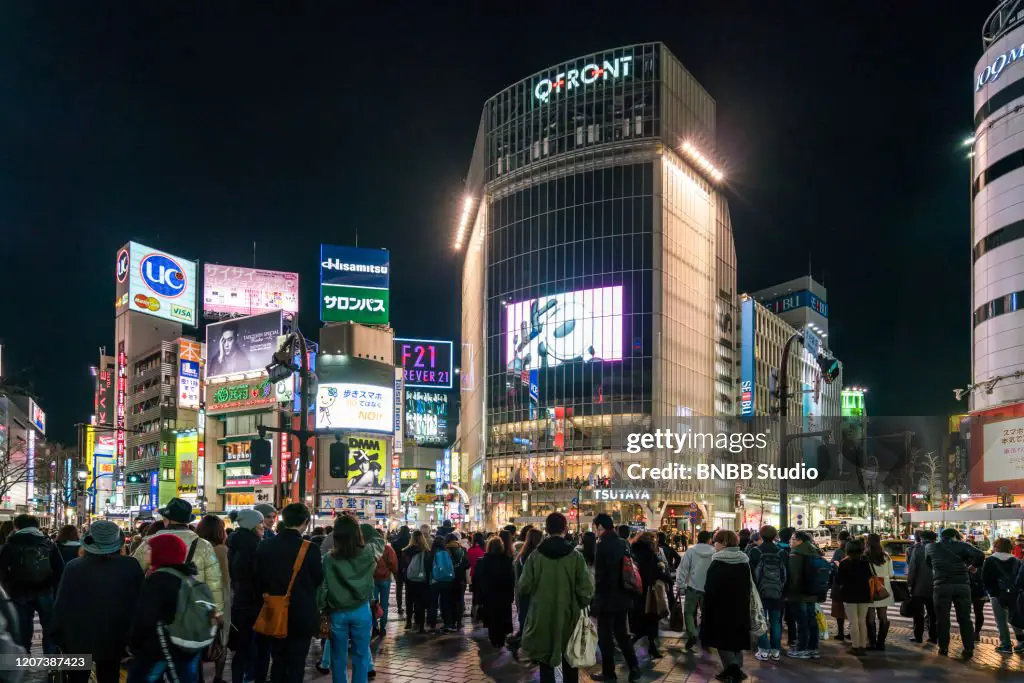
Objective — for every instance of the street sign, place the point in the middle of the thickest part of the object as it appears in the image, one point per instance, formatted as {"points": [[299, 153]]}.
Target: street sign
{"points": [[575, 501], [693, 506]]}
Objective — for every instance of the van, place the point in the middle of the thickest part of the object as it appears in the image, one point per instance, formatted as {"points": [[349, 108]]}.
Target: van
{"points": [[821, 537]]}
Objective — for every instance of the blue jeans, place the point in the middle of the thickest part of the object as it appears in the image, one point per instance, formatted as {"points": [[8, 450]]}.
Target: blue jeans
{"points": [[1001, 613], [773, 639], [353, 625], [147, 671], [806, 626], [26, 609], [382, 593]]}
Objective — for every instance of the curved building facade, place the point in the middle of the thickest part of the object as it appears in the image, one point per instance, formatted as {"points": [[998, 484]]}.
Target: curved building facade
{"points": [[599, 285], [997, 186]]}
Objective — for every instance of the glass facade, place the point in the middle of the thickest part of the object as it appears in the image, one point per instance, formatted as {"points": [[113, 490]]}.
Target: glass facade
{"points": [[599, 281]]}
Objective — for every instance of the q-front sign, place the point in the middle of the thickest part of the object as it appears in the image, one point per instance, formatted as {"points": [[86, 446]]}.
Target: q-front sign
{"points": [[991, 73], [579, 78]]}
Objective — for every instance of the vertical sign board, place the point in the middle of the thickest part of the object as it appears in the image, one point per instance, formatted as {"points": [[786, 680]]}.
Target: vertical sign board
{"points": [[747, 318], [354, 285], [189, 357], [154, 491], [119, 419], [30, 465], [399, 403]]}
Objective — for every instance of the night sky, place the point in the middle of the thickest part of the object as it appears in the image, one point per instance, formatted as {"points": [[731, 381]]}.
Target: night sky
{"points": [[203, 130]]}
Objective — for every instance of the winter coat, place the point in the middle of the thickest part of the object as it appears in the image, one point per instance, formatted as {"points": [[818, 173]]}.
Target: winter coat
{"points": [[221, 551], [974, 580], [157, 603], [558, 585], [69, 550], [798, 558], [112, 581], [1018, 551], [204, 558], [949, 560], [650, 572], [10, 558], [885, 570], [348, 583], [275, 558], [460, 561], [494, 572], [246, 601], [387, 565], [726, 611], [671, 556], [474, 555], [853, 580], [919, 573], [998, 565], [398, 545], [610, 596], [694, 567], [755, 556]]}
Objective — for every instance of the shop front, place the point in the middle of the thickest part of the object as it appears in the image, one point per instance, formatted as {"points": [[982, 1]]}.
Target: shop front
{"points": [[372, 509]]}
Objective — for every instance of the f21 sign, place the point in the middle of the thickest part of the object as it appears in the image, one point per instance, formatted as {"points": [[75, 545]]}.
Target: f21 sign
{"points": [[427, 362]]}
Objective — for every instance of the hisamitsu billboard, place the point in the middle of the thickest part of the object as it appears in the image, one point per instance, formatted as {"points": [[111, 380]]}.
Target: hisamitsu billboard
{"points": [[354, 285]]}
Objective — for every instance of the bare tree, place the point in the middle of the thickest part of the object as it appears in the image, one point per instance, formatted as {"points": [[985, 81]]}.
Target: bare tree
{"points": [[15, 468], [930, 463]]}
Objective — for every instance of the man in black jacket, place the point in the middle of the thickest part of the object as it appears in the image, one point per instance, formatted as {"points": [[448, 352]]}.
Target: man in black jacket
{"points": [[246, 601], [30, 571], [275, 559], [611, 600], [922, 591], [949, 560], [398, 545]]}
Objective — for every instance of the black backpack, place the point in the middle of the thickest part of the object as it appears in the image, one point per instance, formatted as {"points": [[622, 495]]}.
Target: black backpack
{"points": [[31, 566], [1007, 593]]}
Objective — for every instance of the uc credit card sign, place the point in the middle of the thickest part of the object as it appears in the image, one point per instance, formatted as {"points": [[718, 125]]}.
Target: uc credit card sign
{"points": [[156, 283], [355, 285]]}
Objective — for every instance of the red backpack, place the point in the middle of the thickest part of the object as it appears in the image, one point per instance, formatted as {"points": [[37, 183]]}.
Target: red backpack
{"points": [[631, 575]]}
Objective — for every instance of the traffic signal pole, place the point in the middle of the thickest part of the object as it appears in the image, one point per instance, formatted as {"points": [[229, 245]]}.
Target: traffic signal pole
{"points": [[303, 433]]}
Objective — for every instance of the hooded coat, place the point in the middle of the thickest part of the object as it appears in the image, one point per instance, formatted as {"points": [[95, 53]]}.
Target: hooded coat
{"points": [[558, 585], [694, 567], [610, 596], [496, 578], [204, 559], [726, 611], [798, 557]]}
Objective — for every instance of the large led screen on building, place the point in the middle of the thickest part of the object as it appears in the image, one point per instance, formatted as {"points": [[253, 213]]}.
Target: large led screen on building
{"points": [[156, 283], [357, 407], [367, 465], [232, 289], [426, 417], [242, 345], [574, 327], [354, 285], [1003, 456], [36, 416], [427, 362], [747, 396]]}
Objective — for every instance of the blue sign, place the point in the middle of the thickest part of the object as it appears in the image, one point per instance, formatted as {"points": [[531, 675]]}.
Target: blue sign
{"points": [[812, 343], [163, 275], [354, 266], [534, 392], [154, 490], [747, 398], [311, 350], [190, 369], [795, 300], [446, 467]]}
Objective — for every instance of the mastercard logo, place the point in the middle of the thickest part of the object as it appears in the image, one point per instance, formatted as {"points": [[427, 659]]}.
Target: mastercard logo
{"points": [[147, 302]]}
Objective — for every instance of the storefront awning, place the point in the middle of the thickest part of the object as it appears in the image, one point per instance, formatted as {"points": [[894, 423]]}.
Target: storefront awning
{"points": [[969, 515]]}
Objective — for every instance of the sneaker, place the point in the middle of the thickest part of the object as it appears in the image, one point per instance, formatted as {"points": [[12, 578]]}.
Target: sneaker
{"points": [[634, 675], [603, 677], [1004, 650], [799, 654], [761, 656], [814, 654], [775, 655]]}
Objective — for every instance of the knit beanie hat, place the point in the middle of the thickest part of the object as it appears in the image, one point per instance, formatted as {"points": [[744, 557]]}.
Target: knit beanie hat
{"points": [[166, 550], [247, 519]]}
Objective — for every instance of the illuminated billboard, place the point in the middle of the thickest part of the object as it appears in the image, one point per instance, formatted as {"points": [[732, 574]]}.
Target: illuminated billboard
{"points": [[426, 417], [242, 345], [427, 363], [254, 394], [354, 285], [156, 283], [189, 356], [231, 289], [748, 319], [574, 327], [103, 407], [367, 460], [36, 416], [187, 454], [359, 407]]}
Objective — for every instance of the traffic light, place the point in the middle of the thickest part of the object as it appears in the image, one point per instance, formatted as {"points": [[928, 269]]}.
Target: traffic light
{"points": [[830, 368], [260, 460], [339, 460], [134, 478]]}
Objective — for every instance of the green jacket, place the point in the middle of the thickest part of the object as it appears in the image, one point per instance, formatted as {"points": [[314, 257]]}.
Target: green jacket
{"points": [[558, 584], [797, 564], [349, 583]]}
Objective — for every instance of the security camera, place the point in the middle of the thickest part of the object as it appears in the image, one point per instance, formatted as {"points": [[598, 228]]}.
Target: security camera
{"points": [[959, 393]]}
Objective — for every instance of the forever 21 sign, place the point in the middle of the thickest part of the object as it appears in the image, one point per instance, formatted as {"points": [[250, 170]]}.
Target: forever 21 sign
{"points": [[427, 362]]}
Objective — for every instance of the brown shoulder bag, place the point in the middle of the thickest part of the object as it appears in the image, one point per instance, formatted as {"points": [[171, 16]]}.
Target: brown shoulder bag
{"points": [[273, 618]]}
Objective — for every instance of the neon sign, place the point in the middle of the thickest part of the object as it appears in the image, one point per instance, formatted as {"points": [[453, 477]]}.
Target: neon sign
{"points": [[577, 78]]}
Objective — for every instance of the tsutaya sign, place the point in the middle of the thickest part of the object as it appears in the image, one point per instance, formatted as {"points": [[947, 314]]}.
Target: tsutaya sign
{"points": [[577, 78], [622, 494], [991, 72]]}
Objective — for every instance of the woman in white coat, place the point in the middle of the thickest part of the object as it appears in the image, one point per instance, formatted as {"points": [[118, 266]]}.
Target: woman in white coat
{"points": [[878, 619]]}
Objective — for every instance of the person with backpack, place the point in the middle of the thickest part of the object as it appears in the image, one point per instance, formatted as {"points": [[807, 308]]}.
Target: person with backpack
{"points": [[178, 514], [174, 616], [441, 586], [102, 576], [998, 574], [808, 582], [30, 571], [768, 566], [853, 586], [344, 595], [279, 572], [949, 560], [920, 583], [690, 582], [460, 562], [613, 599], [417, 575], [246, 600], [496, 579], [387, 567], [557, 584]]}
